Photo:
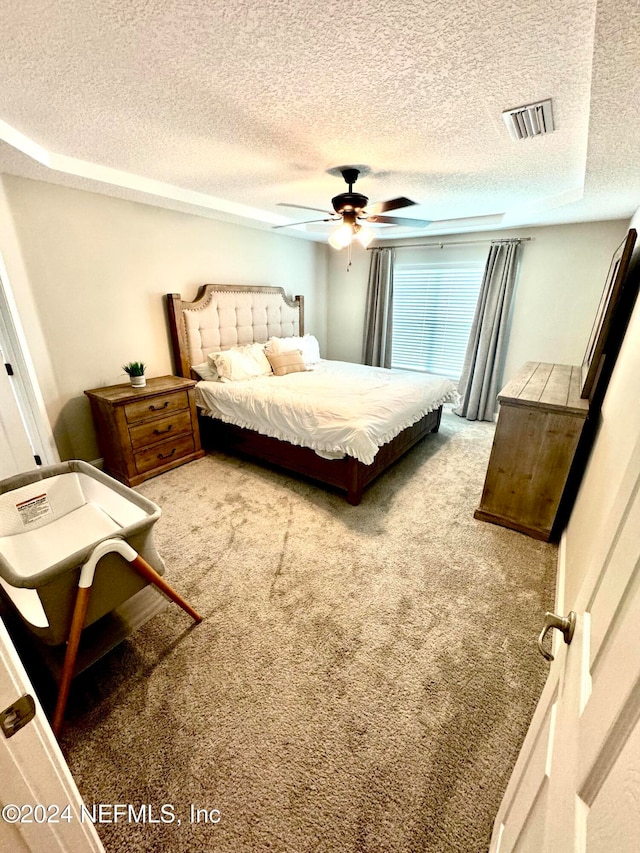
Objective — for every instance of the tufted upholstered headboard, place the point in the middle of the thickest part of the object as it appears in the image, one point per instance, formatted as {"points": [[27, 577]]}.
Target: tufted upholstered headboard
{"points": [[227, 315]]}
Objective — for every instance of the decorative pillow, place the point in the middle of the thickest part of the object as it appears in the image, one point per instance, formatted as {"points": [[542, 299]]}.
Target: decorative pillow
{"points": [[206, 371], [286, 362], [240, 363], [307, 344]]}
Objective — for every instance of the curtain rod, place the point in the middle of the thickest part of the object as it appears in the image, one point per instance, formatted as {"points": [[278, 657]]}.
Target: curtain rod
{"points": [[441, 244]]}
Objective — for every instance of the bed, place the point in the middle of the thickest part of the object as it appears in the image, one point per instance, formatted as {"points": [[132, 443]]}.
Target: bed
{"points": [[226, 317]]}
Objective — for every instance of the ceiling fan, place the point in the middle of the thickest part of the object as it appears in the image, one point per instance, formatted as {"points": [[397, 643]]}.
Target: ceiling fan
{"points": [[353, 211]]}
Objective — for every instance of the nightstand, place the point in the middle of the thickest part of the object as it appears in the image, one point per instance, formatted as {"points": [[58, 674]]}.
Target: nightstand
{"points": [[146, 431]]}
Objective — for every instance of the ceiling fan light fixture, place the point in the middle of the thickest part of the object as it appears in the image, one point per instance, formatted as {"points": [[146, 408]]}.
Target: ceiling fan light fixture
{"points": [[341, 237], [364, 236]]}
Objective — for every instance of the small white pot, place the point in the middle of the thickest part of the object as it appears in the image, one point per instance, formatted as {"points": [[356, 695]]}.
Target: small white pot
{"points": [[138, 381]]}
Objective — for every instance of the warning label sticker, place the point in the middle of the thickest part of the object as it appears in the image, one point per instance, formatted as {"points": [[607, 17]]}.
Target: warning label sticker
{"points": [[34, 509]]}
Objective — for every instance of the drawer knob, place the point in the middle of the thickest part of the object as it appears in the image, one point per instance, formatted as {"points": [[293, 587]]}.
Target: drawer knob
{"points": [[153, 408], [166, 455], [162, 431]]}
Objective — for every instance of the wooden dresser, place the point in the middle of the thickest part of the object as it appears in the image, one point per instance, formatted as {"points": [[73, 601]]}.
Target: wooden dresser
{"points": [[145, 431], [539, 425]]}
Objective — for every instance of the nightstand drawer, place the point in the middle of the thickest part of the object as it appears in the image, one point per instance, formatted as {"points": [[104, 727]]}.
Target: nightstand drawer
{"points": [[160, 429], [159, 405], [163, 454]]}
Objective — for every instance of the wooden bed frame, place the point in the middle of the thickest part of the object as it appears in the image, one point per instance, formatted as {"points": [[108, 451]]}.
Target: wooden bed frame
{"points": [[347, 474]]}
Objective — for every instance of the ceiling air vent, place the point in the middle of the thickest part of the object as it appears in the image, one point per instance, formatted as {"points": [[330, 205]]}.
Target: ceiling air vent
{"points": [[530, 120]]}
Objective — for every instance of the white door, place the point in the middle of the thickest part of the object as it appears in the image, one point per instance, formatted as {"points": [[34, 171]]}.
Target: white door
{"points": [[576, 784], [24, 428], [16, 453], [40, 805]]}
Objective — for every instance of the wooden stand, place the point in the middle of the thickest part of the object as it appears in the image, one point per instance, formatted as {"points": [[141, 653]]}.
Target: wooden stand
{"points": [[541, 419], [146, 431], [77, 622]]}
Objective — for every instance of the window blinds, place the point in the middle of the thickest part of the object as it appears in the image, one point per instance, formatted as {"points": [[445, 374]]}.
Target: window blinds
{"points": [[433, 309]]}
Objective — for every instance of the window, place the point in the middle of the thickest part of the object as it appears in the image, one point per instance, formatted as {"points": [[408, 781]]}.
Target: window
{"points": [[433, 309]]}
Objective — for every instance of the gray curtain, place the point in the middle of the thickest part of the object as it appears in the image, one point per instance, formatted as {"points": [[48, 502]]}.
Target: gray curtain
{"points": [[378, 314], [483, 363]]}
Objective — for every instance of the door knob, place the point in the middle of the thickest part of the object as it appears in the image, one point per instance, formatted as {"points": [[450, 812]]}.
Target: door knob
{"points": [[566, 624]]}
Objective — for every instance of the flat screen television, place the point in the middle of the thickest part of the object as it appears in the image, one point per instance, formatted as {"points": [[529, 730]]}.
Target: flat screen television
{"points": [[610, 322]]}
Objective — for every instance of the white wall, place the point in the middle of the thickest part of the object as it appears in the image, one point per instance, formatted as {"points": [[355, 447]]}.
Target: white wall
{"points": [[561, 279], [618, 433], [346, 304], [562, 274], [97, 269]]}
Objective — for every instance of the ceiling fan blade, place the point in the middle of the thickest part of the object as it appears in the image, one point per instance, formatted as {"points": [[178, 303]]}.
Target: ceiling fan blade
{"points": [[392, 204], [302, 207], [398, 220], [306, 222]]}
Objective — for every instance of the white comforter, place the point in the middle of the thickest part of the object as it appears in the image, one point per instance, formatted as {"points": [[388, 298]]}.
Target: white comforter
{"points": [[336, 409]]}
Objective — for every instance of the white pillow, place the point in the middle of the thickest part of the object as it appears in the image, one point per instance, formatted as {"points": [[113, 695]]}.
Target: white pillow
{"points": [[239, 363], [307, 344], [206, 371]]}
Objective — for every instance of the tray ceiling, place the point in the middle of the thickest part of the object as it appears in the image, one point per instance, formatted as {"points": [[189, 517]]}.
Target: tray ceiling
{"points": [[227, 109]]}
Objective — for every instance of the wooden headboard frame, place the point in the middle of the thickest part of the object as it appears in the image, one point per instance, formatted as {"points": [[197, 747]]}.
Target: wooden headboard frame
{"points": [[177, 325]]}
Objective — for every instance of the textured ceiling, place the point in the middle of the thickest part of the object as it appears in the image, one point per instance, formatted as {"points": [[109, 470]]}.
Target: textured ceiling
{"points": [[228, 108]]}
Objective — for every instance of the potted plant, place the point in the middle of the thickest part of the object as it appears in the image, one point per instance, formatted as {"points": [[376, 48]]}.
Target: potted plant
{"points": [[135, 371]]}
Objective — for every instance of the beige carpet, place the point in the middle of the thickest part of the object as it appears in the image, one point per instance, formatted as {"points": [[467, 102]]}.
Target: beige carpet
{"points": [[363, 678]]}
